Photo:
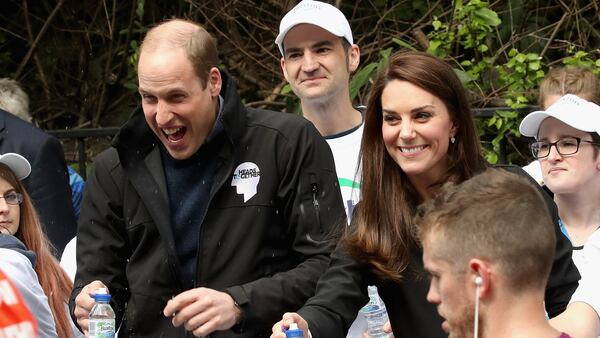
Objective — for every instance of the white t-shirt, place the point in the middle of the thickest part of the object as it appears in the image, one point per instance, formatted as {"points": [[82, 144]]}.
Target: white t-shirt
{"points": [[345, 147], [534, 169], [587, 261]]}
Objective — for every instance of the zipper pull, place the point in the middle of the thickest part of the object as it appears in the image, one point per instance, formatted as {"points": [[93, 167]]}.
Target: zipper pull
{"points": [[315, 190]]}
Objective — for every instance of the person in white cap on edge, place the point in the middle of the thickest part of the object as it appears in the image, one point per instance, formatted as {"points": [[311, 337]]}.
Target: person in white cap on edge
{"points": [[25, 253], [567, 146], [558, 82], [318, 57]]}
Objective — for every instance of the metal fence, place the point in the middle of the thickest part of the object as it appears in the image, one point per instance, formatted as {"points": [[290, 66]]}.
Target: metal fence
{"points": [[80, 136]]}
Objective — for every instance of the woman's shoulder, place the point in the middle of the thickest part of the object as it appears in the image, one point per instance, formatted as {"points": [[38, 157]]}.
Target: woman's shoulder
{"points": [[12, 243]]}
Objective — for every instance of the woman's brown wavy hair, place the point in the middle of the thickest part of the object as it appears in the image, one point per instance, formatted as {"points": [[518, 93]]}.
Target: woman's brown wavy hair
{"points": [[382, 231], [54, 280]]}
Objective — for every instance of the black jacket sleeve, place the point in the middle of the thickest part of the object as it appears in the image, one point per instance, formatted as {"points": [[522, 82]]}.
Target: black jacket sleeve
{"points": [[102, 230], [564, 276], [341, 293], [312, 206]]}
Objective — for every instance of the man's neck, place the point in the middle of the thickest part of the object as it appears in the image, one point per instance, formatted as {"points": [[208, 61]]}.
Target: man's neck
{"points": [[332, 117], [518, 317]]}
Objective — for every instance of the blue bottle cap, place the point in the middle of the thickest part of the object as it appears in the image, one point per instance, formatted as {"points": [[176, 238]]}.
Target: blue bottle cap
{"points": [[294, 331]]}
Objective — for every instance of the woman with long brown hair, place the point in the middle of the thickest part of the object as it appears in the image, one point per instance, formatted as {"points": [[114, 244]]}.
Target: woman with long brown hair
{"points": [[418, 135], [27, 228]]}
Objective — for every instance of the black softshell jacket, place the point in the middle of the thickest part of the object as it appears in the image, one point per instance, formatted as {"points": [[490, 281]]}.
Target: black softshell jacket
{"points": [[267, 252]]}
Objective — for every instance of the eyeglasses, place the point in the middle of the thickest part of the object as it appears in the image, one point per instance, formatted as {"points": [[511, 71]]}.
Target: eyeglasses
{"points": [[565, 146], [13, 198]]}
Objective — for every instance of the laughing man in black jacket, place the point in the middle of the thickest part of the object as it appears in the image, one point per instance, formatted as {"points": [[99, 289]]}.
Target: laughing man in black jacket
{"points": [[205, 216]]}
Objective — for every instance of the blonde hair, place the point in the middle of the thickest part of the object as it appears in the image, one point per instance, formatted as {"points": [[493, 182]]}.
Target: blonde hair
{"points": [[570, 80], [199, 45]]}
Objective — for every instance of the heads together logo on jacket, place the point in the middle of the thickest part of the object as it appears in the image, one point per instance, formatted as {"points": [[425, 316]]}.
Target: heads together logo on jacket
{"points": [[245, 179]]}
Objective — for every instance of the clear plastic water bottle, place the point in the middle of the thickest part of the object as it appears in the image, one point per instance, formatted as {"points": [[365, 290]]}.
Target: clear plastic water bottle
{"points": [[376, 314], [102, 316]]}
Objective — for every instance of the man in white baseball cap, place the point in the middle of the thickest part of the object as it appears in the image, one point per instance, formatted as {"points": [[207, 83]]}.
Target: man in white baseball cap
{"points": [[17, 163], [567, 147], [317, 13], [318, 58]]}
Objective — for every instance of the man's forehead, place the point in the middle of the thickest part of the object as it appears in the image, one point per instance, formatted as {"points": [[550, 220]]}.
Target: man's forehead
{"points": [[431, 249], [306, 32]]}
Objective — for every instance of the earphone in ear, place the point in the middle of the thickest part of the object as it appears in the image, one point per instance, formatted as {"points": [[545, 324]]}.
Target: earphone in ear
{"points": [[478, 282]]}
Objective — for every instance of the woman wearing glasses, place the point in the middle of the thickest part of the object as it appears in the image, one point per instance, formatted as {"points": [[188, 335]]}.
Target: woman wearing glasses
{"points": [[558, 82], [567, 147], [18, 218]]}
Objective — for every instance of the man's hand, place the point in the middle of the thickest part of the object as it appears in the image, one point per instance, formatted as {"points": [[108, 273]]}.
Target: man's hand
{"points": [[288, 318], [203, 311], [387, 328], [84, 303]]}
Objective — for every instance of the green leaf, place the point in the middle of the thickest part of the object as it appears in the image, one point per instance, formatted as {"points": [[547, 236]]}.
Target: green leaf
{"points": [[361, 78], [509, 114], [286, 89], [463, 76], [483, 48], [488, 16], [433, 46], [403, 43], [492, 158], [436, 24]]}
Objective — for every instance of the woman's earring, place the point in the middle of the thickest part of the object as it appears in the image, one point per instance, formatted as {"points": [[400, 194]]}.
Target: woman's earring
{"points": [[452, 139]]}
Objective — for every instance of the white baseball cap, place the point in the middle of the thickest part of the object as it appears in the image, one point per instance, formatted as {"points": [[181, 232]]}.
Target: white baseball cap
{"points": [[17, 163], [570, 109], [316, 13]]}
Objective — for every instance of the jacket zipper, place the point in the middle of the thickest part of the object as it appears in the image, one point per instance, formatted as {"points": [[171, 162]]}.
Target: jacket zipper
{"points": [[315, 191]]}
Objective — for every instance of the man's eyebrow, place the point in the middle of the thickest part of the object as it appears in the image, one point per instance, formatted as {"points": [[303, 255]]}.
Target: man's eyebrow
{"points": [[171, 91], [323, 43], [318, 44]]}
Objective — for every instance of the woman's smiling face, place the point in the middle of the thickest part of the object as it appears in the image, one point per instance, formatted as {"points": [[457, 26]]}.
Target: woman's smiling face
{"points": [[416, 130]]}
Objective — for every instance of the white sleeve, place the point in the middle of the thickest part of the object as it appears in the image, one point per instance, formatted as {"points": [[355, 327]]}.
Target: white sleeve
{"points": [[68, 260], [18, 268], [587, 291]]}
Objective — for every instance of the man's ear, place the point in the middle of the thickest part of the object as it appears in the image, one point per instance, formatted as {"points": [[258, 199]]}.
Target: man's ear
{"points": [[353, 58], [215, 82], [283, 69], [482, 269]]}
